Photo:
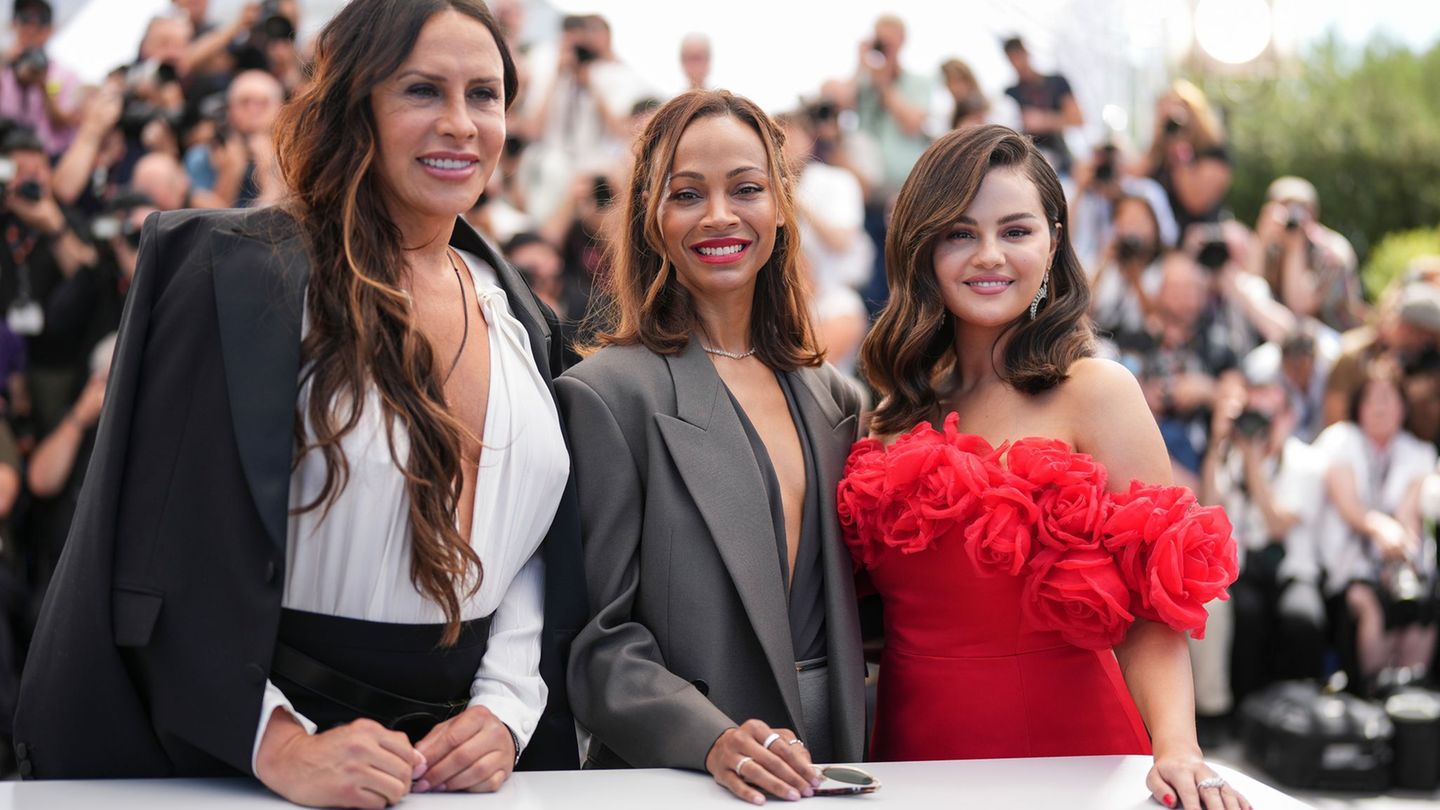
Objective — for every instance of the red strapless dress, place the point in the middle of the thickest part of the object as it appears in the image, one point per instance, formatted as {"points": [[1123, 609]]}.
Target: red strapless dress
{"points": [[1007, 575]]}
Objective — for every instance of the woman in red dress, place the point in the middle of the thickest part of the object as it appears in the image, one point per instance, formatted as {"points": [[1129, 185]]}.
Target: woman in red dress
{"points": [[1037, 595]]}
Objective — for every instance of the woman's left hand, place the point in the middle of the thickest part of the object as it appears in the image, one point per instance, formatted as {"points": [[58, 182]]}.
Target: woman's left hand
{"points": [[472, 751], [1186, 781]]}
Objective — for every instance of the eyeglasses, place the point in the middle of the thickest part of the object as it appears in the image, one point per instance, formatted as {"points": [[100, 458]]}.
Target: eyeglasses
{"points": [[852, 781]]}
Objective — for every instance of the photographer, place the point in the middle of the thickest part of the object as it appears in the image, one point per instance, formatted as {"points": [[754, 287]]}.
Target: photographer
{"points": [[1100, 182], [47, 251], [838, 254], [1180, 362], [1379, 572], [1269, 483], [238, 165], [580, 121], [1047, 106], [34, 91], [1127, 274], [1188, 156], [1311, 268]]}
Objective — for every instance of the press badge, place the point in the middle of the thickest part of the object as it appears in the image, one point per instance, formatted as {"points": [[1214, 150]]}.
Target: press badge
{"points": [[25, 318]]}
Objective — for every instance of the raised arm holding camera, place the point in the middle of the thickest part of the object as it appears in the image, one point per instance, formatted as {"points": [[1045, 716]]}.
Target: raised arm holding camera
{"points": [[1311, 268], [34, 90]]}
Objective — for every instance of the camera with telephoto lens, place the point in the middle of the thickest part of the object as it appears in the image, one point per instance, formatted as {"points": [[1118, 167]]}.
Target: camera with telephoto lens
{"points": [[1295, 214], [1251, 424], [272, 25], [1214, 252], [1105, 168], [1173, 125], [600, 192], [585, 55], [32, 63], [1130, 248], [1407, 588], [115, 220]]}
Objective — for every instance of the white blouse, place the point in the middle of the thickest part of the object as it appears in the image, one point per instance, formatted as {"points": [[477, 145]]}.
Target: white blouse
{"points": [[354, 560]]}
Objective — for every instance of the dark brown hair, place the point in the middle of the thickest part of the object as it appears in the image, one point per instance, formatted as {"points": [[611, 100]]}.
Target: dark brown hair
{"points": [[913, 339], [647, 304], [362, 332]]}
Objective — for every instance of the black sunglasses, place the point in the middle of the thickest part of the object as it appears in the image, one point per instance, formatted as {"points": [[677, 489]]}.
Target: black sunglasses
{"points": [[852, 781]]}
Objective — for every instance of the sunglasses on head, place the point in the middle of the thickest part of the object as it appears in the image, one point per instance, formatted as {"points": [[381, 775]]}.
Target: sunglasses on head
{"points": [[851, 781]]}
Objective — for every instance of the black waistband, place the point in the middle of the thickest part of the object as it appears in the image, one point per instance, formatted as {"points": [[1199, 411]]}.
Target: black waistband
{"points": [[335, 670]]}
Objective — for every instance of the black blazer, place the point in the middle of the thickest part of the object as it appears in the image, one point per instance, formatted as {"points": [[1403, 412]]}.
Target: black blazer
{"points": [[154, 643]]}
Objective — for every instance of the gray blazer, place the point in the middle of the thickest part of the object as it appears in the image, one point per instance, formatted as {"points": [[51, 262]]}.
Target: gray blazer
{"points": [[690, 630]]}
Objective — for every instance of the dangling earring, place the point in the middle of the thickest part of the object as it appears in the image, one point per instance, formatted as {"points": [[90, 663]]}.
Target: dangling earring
{"points": [[1040, 294]]}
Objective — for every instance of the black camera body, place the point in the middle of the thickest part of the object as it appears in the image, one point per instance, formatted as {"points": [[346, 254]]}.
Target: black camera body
{"points": [[585, 55], [32, 62], [1133, 249], [1251, 424], [1295, 216]]}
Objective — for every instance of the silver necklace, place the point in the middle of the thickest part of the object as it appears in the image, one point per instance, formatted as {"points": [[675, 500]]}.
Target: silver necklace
{"points": [[731, 355]]}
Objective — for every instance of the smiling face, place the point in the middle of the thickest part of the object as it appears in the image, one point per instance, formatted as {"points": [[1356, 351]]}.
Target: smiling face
{"points": [[718, 216], [440, 122], [990, 263]]}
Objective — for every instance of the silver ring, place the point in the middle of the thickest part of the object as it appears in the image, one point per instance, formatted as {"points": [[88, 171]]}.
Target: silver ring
{"points": [[741, 763], [769, 741], [796, 741], [1213, 782]]}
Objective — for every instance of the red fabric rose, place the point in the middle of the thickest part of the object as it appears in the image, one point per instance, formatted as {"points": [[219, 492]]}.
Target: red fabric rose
{"points": [[1079, 593], [862, 502], [1190, 564], [1136, 520], [1071, 516], [1000, 536], [1051, 463]]}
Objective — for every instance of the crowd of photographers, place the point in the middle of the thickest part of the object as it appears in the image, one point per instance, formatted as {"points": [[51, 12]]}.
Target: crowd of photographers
{"points": [[1310, 413]]}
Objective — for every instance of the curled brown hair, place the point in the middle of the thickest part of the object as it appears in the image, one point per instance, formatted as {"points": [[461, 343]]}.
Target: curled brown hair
{"points": [[647, 303], [913, 340], [362, 331]]}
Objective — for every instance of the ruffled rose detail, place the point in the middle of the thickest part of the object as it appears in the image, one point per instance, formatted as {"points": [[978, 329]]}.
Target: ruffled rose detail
{"points": [[1080, 594], [1094, 560]]}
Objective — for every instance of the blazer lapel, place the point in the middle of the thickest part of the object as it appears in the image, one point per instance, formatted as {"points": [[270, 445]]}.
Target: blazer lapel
{"points": [[259, 294], [517, 292], [832, 433], [712, 453]]}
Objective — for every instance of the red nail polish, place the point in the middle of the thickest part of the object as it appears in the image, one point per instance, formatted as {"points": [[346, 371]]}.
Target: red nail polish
{"points": [[1169, 800]]}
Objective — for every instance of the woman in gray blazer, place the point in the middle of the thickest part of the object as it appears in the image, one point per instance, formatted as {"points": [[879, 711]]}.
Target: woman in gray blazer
{"points": [[708, 438]]}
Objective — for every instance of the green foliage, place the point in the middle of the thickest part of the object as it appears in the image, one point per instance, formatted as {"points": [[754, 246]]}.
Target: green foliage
{"points": [[1364, 128], [1393, 255]]}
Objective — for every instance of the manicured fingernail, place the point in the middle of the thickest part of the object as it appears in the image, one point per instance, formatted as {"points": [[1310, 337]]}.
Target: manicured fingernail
{"points": [[793, 795], [1169, 800], [815, 781], [421, 787], [757, 799], [808, 792], [419, 771], [440, 788]]}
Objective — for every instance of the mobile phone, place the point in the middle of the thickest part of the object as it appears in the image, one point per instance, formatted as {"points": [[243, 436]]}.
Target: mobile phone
{"points": [[845, 780]]}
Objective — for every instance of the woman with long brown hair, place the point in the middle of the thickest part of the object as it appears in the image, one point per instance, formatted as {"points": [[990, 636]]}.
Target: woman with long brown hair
{"points": [[310, 547], [1036, 593], [707, 439]]}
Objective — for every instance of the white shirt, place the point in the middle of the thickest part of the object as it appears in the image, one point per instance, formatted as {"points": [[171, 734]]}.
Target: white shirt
{"points": [[354, 560], [1296, 483], [1381, 480]]}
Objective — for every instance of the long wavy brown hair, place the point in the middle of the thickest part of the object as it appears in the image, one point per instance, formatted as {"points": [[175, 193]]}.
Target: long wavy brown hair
{"points": [[912, 344], [362, 332], [645, 301]]}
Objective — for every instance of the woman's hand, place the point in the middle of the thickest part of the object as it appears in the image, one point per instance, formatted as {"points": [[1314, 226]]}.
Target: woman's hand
{"points": [[1197, 787], [472, 751], [740, 760], [360, 764]]}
